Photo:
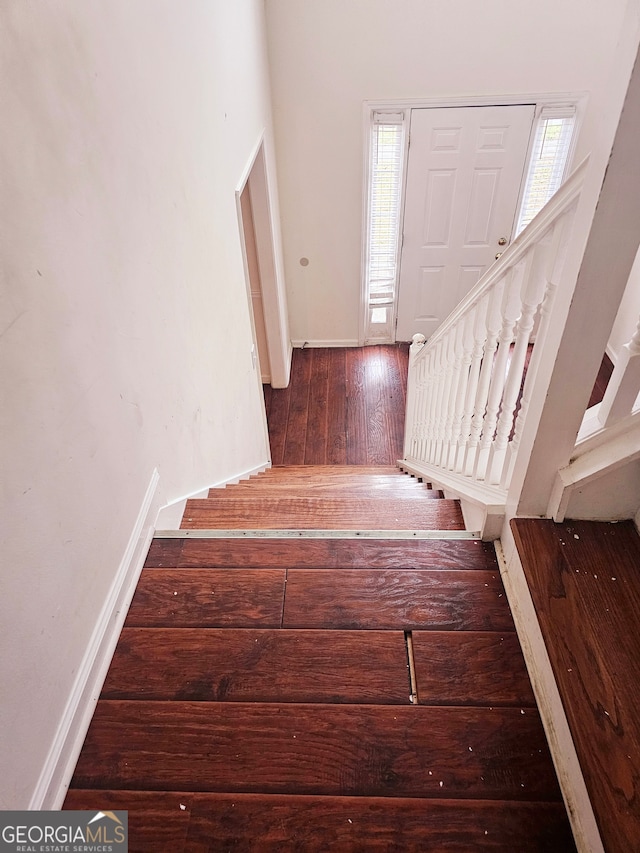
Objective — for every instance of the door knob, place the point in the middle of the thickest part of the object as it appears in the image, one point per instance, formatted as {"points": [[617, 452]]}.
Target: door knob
{"points": [[502, 241]]}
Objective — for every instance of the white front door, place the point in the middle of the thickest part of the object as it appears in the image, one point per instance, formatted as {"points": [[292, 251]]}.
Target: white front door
{"points": [[464, 174]]}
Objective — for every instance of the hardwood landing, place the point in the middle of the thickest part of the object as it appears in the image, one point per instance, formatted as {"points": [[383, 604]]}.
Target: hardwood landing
{"points": [[585, 584], [307, 694], [343, 406]]}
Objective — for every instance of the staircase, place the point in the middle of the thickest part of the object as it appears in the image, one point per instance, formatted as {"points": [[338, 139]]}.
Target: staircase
{"points": [[322, 659]]}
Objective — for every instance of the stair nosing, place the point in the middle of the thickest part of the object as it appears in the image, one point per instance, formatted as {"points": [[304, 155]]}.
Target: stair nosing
{"points": [[311, 533]]}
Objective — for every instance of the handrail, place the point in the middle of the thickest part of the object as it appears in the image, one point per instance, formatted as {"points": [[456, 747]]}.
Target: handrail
{"points": [[469, 386], [563, 199]]}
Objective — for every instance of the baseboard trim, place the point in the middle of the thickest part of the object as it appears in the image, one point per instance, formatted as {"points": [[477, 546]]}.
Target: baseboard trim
{"points": [[302, 344], [63, 755], [170, 515]]}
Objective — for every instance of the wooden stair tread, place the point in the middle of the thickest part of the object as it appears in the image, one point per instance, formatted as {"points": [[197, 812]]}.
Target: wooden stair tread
{"points": [[470, 668], [157, 820], [585, 585], [378, 491], [313, 512], [321, 598], [467, 554], [243, 598], [289, 471], [259, 666], [331, 476], [334, 477], [187, 821], [259, 697], [361, 750], [387, 598]]}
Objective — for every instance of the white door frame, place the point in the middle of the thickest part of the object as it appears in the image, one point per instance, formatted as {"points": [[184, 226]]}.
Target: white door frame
{"points": [[539, 99], [256, 176]]}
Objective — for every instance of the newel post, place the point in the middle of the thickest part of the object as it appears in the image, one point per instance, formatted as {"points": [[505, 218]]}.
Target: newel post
{"points": [[418, 342]]}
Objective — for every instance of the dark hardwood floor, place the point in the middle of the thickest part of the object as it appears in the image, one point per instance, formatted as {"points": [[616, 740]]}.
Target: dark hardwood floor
{"points": [[602, 380], [584, 581], [278, 693], [275, 693], [343, 406]]}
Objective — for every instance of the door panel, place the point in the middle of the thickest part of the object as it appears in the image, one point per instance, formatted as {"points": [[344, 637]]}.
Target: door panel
{"points": [[463, 181]]}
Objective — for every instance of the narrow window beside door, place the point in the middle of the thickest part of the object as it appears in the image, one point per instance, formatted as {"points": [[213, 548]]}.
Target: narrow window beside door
{"points": [[549, 161], [383, 226]]}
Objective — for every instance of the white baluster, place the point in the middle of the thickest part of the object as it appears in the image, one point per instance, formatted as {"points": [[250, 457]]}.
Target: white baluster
{"points": [[510, 313], [533, 289], [624, 384], [448, 398], [464, 347], [422, 409], [478, 318], [437, 413], [429, 402], [484, 380], [412, 395], [554, 262]]}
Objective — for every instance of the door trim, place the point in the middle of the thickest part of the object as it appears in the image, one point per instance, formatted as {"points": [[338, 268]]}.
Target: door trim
{"points": [[538, 99], [258, 176]]}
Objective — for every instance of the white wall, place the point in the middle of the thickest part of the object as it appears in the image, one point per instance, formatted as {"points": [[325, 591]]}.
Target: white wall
{"points": [[610, 498], [328, 57], [125, 345]]}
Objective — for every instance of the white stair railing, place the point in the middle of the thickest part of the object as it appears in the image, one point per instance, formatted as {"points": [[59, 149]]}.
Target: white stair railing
{"points": [[469, 386], [624, 385], [609, 438]]}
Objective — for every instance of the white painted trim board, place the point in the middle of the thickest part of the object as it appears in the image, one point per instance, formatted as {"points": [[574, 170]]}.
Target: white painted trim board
{"points": [[63, 754], [170, 515], [301, 344], [554, 720]]}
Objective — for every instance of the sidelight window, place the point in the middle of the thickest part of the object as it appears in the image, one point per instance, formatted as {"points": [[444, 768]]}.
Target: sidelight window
{"points": [[549, 161], [386, 165]]}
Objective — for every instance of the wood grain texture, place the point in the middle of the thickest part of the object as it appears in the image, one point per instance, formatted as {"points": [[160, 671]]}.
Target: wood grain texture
{"points": [[362, 750], [298, 414], [327, 478], [313, 512], [471, 668], [277, 412], [158, 820], [468, 554], [290, 472], [323, 475], [315, 448], [343, 405], [337, 439], [281, 824], [602, 380], [259, 666], [585, 586], [164, 553], [276, 823], [208, 598], [224, 727], [356, 413], [361, 599], [383, 491]]}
